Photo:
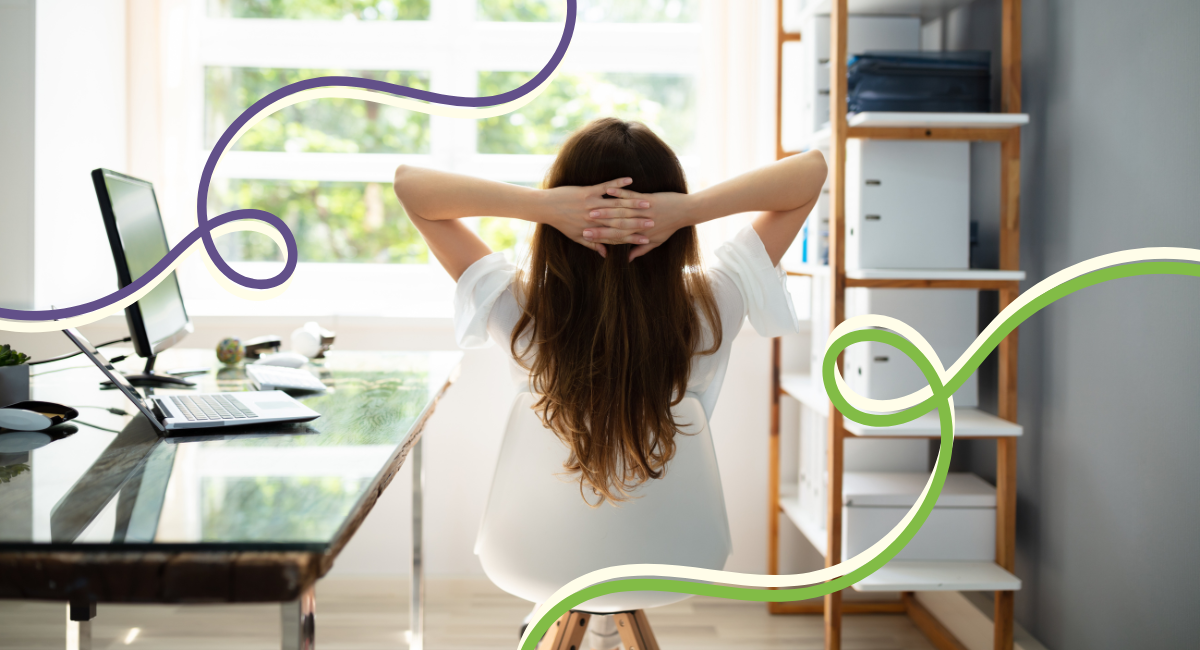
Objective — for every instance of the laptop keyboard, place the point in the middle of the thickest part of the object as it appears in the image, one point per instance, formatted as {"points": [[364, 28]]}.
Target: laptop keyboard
{"points": [[212, 407]]}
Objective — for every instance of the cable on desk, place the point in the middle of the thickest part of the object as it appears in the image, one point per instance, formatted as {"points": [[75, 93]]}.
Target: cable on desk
{"points": [[110, 409], [94, 426], [77, 352], [47, 372]]}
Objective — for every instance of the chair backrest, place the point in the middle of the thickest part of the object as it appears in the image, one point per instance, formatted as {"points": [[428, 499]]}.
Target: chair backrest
{"points": [[538, 534]]}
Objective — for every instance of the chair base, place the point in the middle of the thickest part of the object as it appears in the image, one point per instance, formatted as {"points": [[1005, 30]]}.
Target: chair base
{"points": [[567, 632]]}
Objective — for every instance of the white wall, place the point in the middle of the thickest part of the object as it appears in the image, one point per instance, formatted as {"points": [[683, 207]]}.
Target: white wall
{"points": [[80, 125], [62, 114]]}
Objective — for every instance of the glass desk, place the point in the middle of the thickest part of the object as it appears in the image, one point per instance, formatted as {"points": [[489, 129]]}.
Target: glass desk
{"points": [[110, 512]]}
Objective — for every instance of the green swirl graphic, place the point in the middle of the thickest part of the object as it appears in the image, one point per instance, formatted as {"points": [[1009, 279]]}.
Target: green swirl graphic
{"points": [[733, 586]]}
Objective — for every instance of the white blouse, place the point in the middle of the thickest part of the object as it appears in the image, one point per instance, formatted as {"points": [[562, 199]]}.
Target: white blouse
{"points": [[744, 283]]}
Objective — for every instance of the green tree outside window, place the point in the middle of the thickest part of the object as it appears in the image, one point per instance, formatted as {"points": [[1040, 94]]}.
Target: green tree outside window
{"points": [[334, 125], [664, 102], [332, 221], [321, 9], [596, 11]]}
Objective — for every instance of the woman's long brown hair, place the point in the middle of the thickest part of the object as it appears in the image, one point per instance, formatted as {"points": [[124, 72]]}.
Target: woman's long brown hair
{"points": [[608, 342]]}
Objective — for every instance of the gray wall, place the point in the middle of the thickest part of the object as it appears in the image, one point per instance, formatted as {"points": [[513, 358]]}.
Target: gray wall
{"points": [[1109, 471]]}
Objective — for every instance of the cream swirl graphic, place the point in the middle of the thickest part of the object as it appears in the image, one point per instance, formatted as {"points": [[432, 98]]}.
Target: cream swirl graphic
{"points": [[879, 413]]}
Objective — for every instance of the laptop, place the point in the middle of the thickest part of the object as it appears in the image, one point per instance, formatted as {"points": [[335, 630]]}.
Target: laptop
{"points": [[200, 410]]}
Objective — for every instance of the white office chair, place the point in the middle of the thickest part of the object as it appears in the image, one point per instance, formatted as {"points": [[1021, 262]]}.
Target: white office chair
{"points": [[538, 534]]}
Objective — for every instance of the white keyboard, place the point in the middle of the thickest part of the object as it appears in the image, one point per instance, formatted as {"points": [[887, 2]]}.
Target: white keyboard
{"points": [[277, 378]]}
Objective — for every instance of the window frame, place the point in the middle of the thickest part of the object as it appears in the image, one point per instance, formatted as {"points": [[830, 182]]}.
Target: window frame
{"points": [[453, 47]]}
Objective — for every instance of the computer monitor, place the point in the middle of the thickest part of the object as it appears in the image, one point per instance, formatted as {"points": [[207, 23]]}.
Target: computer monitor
{"points": [[138, 241]]}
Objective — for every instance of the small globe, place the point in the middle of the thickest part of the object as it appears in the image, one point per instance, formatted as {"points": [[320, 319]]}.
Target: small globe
{"points": [[229, 351]]}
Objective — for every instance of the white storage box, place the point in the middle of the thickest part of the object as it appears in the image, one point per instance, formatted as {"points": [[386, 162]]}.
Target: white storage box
{"points": [[864, 33], [947, 318], [908, 204], [962, 526], [869, 455]]}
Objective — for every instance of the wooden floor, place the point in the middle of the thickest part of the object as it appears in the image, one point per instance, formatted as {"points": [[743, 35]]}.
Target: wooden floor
{"points": [[357, 614]]}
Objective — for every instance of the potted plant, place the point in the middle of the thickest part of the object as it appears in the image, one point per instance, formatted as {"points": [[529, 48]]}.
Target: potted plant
{"points": [[14, 376]]}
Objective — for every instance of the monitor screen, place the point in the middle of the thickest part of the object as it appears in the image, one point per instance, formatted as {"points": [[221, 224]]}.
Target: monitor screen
{"points": [[143, 242]]}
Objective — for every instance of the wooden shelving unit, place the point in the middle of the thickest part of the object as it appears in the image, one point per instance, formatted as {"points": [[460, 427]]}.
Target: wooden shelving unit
{"points": [[1003, 127]]}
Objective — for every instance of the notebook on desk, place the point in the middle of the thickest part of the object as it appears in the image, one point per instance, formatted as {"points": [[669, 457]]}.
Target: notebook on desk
{"points": [[200, 410]]}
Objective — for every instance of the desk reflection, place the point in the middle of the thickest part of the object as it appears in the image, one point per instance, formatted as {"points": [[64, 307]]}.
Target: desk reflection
{"points": [[112, 469], [293, 486]]}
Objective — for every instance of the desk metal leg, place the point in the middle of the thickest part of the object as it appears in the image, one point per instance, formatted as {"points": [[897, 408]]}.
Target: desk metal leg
{"points": [[416, 613], [79, 625], [299, 622]]}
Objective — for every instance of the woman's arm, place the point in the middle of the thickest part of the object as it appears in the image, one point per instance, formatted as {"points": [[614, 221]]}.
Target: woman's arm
{"points": [[436, 200], [784, 191]]}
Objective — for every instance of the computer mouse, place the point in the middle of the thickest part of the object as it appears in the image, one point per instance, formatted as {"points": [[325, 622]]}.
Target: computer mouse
{"points": [[23, 420], [285, 359]]}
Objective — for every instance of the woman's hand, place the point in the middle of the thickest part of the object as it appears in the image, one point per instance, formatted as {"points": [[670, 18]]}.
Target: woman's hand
{"points": [[569, 210], [666, 212]]}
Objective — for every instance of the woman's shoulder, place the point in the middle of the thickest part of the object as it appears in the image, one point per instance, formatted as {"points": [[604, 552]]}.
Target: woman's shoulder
{"points": [[479, 291]]}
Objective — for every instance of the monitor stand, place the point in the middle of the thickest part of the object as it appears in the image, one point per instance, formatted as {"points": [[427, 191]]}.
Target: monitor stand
{"points": [[152, 379]]}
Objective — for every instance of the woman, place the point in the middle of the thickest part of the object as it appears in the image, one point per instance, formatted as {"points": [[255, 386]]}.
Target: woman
{"points": [[614, 321], [614, 258]]}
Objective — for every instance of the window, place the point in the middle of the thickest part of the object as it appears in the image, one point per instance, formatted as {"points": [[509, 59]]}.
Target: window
{"points": [[325, 166]]}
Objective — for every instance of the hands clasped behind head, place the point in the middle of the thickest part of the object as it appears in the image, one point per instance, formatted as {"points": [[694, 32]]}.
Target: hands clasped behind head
{"points": [[607, 214]]}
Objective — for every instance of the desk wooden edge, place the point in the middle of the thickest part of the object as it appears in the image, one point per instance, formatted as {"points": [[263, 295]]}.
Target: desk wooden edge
{"points": [[158, 577]]}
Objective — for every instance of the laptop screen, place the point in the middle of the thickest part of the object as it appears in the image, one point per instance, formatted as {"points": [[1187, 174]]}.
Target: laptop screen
{"points": [[113, 374]]}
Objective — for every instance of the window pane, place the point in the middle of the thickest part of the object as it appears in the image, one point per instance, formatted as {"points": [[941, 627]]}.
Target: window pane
{"points": [[593, 11], [502, 234], [664, 102], [332, 221], [333, 125], [321, 9], [512, 236]]}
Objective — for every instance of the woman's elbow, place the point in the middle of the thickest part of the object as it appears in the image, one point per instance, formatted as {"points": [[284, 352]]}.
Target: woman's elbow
{"points": [[399, 181], [818, 172], [820, 168], [404, 185]]}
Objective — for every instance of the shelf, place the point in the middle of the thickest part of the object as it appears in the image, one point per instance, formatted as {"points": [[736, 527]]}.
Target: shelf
{"points": [[912, 275], [927, 9], [983, 279], [969, 422], [972, 571], [803, 389], [934, 274], [909, 575], [790, 505], [921, 126], [937, 120]]}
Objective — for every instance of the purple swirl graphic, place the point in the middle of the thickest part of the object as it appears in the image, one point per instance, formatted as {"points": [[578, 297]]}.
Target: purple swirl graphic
{"points": [[205, 226]]}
